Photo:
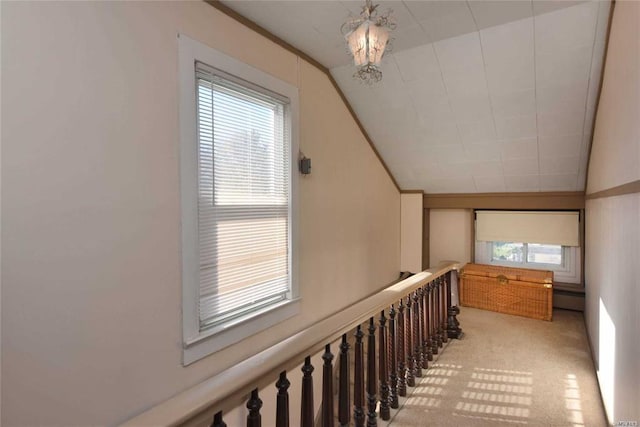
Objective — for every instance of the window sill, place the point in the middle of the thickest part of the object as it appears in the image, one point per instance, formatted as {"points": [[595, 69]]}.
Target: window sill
{"points": [[568, 287], [221, 337]]}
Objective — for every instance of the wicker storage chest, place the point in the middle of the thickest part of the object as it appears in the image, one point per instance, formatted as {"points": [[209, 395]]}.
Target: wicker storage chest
{"points": [[519, 291]]}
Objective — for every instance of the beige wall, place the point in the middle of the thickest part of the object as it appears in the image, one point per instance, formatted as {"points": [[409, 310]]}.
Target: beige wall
{"points": [[411, 232], [91, 309], [615, 154], [613, 223], [450, 235]]}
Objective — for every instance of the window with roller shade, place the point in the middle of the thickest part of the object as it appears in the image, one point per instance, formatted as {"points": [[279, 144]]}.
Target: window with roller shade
{"points": [[238, 191], [547, 240]]}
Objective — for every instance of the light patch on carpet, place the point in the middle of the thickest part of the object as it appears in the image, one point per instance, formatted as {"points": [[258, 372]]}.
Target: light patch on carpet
{"points": [[508, 388], [501, 378], [503, 371], [429, 390], [435, 380], [422, 401], [573, 401], [500, 398], [502, 420], [607, 358], [493, 409]]}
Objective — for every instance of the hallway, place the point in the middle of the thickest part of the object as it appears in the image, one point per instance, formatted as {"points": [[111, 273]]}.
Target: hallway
{"points": [[509, 370]]}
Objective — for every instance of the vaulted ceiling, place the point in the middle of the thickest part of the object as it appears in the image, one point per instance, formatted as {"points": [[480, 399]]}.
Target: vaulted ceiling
{"points": [[476, 96]]}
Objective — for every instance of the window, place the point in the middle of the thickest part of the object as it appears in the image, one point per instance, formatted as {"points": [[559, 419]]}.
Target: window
{"points": [[238, 199], [564, 261], [544, 240], [528, 254]]}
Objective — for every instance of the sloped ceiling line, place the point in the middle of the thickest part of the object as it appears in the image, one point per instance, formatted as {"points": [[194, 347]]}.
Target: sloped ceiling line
{"points": [[266, 33]]}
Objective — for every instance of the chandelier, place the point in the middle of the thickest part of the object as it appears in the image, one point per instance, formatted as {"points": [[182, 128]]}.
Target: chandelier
{"points": [[367, 38]]}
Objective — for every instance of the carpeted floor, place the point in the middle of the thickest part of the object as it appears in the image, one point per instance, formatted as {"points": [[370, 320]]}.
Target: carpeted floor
{"points": [[509, 371]]}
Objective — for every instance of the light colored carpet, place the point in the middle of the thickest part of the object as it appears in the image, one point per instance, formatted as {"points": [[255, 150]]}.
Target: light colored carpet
{"points": [[509, 371]]}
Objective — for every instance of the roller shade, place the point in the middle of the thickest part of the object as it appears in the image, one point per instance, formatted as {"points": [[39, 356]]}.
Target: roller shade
{"points": [[551, 228], [243, 197]]}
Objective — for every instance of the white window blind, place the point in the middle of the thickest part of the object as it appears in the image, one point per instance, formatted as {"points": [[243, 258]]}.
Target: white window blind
{"points": [[552, 228], [243, 197]]}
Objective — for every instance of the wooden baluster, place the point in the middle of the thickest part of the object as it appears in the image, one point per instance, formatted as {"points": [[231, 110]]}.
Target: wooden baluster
{"points": [[372, 383], [282, 400], [327, 387], [417, 334], [217, 420], [385, 412], [254, 419], [443, 311], [453, 326], [402, 367], [306, 407], [358, 386], [344, 402], [393, 360], [408, 335], [438, 312], [424, 308], [432, 306]]}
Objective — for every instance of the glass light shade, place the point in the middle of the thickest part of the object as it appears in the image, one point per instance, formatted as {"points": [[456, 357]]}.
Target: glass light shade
{"points": [[357, 41], [367, 43], [378, 37]]}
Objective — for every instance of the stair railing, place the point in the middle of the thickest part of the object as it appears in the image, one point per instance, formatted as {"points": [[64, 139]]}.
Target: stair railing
{"points": [[411, 320]]}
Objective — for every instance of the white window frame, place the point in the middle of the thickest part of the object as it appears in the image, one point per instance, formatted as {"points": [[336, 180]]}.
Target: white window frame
{"points": [[567, 272], [196, 344]]}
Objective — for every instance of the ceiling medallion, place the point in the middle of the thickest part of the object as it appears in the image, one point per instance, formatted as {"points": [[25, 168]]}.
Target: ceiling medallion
{"points": [[367, 38]]}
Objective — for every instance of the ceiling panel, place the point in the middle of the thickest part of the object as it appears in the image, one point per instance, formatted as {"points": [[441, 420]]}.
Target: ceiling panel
{"points": [[507, 104], [520, 167], [479, 132], [461, 52], [512, 42], [522, 183], [477, 96], [416, 62], [515, 127], [490, 13], [560, 146], [557, 182], [559, 165], [566, 28], [523, 148], [490, 184]]}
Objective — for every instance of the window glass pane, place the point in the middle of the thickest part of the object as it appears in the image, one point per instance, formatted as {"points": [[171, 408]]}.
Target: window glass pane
{"points": [[544, 254], [507, 251], [243, 204]]}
